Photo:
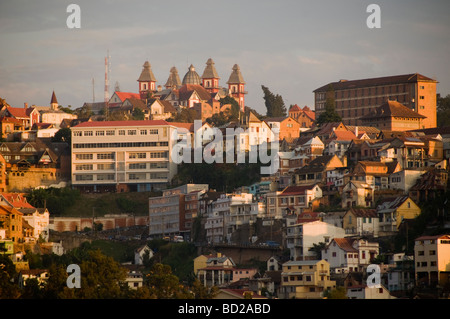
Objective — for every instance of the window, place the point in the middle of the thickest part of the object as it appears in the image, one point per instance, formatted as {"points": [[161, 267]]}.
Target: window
{"points": [[84, 177], [153, 131], [131, 132], [88, 133], [84, 167], [105, 166], [121, 132], [110, 133], [105, 156], [138, 166], [77, 133], [137, 155], [143, 132], [84, 156], [100, 133]]}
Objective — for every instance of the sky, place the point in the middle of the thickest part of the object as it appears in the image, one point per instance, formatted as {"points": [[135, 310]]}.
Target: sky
{"points": [[290, 46]]}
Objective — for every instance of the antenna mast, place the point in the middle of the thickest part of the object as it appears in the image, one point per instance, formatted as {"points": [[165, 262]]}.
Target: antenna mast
{"points": [[107, 70]]}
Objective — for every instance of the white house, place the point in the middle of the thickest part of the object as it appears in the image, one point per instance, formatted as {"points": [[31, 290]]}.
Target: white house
{"points": [[404, 179], [300, 238], [349, 254]]}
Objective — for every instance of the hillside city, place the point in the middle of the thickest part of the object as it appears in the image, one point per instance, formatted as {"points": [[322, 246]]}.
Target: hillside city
{"points": [[183, 191]]}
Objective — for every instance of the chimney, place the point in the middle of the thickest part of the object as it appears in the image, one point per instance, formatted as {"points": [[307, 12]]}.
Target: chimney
{"points": [[25, 105], [356, 131]]}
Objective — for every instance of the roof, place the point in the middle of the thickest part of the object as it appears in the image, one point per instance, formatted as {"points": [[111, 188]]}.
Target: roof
{"points": [[297, 190], [392, 203], [433, 237], [146, 74], [236, 76], [191, 77], [390, 109], [345, 244], [363, 212], [344, 135], [210, 70], [20, 112], [174, 78], [127, 95], [17, 200], [121, 123], [352, 84], [53, 100], [188, 89]]}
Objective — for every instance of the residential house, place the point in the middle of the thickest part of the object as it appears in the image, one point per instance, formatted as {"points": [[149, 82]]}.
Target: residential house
{"points": [[405, 179], [12, 222], [304, 116], [376, 174], [339, 143], [349, 254], [316, 170], [228, 293], [392, 212], [288, 127], [365, 292], [41, 275], [432, 258], [357, 194], [217, 272], [361, 222], [301, 237], [293, 200], [393, 116], [26, 115], [429, 185], [160, 109], [308, 279]]}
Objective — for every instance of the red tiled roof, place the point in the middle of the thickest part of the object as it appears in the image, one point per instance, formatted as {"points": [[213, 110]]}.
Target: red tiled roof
{"points": [[345, 244], [300, 190], [17, 200], [344, 135], [392, 108], [127, 95]]}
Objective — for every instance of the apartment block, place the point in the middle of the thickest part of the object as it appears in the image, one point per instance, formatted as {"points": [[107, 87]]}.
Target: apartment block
{"points": [[305, 279], [117, 156], [357, 98], [432, 258]]}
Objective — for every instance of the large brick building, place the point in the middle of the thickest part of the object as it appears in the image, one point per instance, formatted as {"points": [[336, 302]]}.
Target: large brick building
{"points": [[357, 98]]}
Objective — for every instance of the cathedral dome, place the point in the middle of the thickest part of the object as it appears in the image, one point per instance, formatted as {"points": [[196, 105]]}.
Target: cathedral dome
{"points": [[192, 77]]}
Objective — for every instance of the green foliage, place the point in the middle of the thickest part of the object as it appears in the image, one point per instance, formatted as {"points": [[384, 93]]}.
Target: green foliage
{"points": [[219, 176], [330, 115], [186, 115], [443, 111], [138, 114], [57, 200], [274, 103], [338, 293], [63, 135]]}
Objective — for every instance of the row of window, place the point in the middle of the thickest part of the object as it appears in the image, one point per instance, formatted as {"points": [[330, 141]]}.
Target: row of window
{"points": [[120, 145], [111, 177], [130, 132]]}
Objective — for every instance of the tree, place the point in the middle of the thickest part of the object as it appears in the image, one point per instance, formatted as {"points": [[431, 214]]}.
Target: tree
{"points": [[443, 111], [8, 289], [274, 103], [63, 135], [138, 114], [186, 115], [338, 293], [84, 112], [330, 115], [163, 284], [317, 249]]}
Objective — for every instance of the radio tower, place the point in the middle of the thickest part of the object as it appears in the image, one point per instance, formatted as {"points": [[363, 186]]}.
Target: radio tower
{"points": [[107, 70]]}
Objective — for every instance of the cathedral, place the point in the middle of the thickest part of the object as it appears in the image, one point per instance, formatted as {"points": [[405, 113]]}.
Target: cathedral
{"points": [[194, 89]]}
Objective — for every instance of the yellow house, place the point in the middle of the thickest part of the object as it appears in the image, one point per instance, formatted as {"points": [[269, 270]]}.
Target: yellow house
{"points": [[432, 258], [305, 279], [393, 211]]}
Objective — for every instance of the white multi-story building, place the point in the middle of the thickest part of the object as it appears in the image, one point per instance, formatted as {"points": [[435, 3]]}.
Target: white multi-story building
{"points": [[300, 238], [122, 155]]}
